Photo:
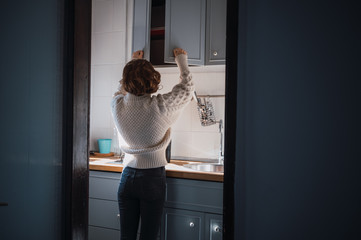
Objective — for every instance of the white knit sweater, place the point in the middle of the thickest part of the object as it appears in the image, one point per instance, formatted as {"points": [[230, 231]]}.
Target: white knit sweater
{"points": [[144, 121]]}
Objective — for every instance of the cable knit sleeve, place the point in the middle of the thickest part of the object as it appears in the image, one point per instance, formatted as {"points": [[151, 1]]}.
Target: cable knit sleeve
{"points": [[182, 93], [117, 96]]}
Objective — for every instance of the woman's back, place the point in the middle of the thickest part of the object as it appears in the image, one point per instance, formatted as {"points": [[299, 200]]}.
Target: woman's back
{"points": [[144, 121]]}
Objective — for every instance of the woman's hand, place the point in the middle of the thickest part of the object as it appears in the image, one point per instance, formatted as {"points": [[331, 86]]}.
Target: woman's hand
{"points": [[178, 51], [138, 54]]}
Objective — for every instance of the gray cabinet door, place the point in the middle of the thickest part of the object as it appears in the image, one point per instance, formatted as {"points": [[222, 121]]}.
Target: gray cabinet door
{"points": [[103, 213], [141, 26], [182, 224], [97, 233], [185, 28], [104, 185], [213, 227], [216, 32], [201, 196]]}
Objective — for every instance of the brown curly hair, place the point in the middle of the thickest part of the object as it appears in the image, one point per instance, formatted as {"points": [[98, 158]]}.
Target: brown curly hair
{"points": [[140, 77]]}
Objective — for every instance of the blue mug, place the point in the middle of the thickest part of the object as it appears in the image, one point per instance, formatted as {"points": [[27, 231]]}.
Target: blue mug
{"points": [[104, 145]]}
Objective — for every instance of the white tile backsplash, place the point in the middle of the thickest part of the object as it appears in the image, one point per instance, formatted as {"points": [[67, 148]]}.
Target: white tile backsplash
{"points": [[184, 123], [108, 48], [101, 19], [180, 144], [101, 112], [101, 80], [210, 83], [105, 79], [189, 138], [205, 145], [119, 15]]}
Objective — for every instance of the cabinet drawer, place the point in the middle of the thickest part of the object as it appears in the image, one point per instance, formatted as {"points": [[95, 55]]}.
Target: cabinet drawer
{"points": [[96, 233], [103, 213], [104, 185], [194, 195], [182, 224]]}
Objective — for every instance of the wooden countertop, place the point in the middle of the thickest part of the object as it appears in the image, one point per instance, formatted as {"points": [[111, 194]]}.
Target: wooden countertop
{"points": [[174, 169]]}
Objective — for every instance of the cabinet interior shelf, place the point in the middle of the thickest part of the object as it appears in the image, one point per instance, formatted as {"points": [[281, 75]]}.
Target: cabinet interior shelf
{"points": [[159, 31]]}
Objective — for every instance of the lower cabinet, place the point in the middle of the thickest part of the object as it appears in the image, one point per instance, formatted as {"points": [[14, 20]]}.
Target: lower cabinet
{"points": [[193, 209], [103, 205], [99, 233], [104, 213], [182, 224], [213, 228]]}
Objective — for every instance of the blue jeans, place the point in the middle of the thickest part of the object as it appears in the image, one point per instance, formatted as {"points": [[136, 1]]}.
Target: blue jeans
{"points": [[141, 195]]}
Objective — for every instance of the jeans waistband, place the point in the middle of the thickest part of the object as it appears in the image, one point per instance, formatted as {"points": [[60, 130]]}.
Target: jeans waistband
{"points": [[144, 170]]}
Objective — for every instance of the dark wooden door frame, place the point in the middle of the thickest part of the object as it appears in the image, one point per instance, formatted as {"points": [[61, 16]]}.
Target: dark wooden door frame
{"points": [[76, 116], [77, 45], [232, 52]]}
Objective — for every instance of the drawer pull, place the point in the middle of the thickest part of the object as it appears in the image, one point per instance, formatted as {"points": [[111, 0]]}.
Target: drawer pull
{"points": [[118, 215], [3, 204], [191, 224]]}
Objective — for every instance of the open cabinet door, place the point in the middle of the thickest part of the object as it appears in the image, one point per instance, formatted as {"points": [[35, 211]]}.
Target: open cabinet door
{"points": [[141, 27], [185, 23]]}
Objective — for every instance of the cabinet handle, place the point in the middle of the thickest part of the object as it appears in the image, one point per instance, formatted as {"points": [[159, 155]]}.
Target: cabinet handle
{"points": [[215, 53], [191, 224], [3, 204], [217, 229], [118, 215]]}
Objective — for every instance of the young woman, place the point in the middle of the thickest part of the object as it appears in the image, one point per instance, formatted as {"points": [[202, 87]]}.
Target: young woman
{"points": [[144, 121]]}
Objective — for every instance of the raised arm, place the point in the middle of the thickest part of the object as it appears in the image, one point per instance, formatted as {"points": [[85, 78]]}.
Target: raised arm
{"points": [[182, 92], [181, 58]]}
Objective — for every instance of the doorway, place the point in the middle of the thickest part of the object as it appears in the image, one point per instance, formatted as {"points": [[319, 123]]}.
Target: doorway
{"points": [[79, 138]]}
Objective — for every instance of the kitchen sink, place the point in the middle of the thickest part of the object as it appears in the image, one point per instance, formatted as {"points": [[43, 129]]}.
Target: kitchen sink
{"points": [[116, 162], [206, 167]]}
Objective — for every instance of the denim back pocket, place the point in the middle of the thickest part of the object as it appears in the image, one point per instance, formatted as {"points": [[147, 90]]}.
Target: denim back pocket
{"points": [[153, 187]]}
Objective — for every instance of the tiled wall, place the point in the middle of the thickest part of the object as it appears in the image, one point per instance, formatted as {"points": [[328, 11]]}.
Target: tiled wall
{"points": [[109, 50], [107, 61]]}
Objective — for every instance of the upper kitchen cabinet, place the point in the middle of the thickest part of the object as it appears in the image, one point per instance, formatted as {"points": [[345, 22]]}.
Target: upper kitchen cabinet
{"points": [[141, 27], [185, 24], [198, 26], [216, 32]]}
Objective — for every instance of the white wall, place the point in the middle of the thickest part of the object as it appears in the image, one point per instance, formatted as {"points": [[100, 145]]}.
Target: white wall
{"points": [[109, 53], [108, 57]]}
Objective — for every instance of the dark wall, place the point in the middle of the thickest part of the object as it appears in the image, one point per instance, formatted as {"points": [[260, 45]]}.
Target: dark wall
{"points": [[31, 81], [298, 133]]}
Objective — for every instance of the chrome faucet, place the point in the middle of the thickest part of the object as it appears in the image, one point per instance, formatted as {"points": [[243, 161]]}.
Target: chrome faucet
{"points": [[220, 154], [207, 118]]}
